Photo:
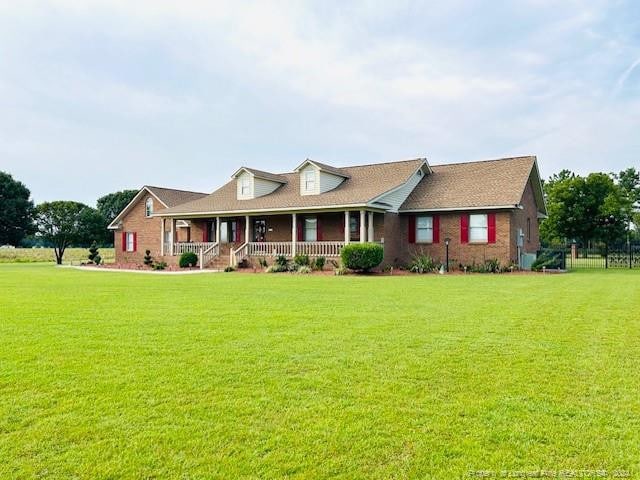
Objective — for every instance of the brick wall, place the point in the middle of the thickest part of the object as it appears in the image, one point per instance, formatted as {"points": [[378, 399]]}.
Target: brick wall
{"points": [[528, 213], [458, 252], [147, 231]]}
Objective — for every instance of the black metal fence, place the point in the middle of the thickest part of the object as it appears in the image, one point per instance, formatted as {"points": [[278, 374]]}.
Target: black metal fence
{"points": [[575, 257]]}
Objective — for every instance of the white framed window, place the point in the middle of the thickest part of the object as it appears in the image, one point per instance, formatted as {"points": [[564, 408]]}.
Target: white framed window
{"points": [[310, 180], [148, 207], [130, 241], [478, 228], [424, 229], [167, 237], [245, 186], [310, 229]]}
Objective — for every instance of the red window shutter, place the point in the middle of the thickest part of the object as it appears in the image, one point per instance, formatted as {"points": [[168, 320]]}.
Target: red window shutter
{"points": [[299, 229], [436, 229], [411, 234], [464, 228], [124, 241], [239, 227], [135, 242], [491, 230], [318, 229]]}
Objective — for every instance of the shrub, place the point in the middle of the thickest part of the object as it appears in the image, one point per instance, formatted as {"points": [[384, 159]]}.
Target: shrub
{"points": [[188, 259], [301, 260], [547, 260], [319, 264], [282, 261], [275, 268], [335, 264], [94, 254], [229, 269], [362, 256], [263, 262], [422, 263], [159, 266], [493, 265], [304, 269], [147, 260], [339, 271]]}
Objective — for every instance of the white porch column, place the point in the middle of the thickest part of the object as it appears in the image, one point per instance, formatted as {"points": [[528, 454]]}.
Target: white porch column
{"points": [[294, 233], [162, 224], [246, 228], [173, 235], [347, 227], [363, 231], [370, 227], [218, 230]]}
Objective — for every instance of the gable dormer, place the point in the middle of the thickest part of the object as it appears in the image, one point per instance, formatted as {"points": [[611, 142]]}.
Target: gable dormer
{"points": [[251, 183], [316, 178]]}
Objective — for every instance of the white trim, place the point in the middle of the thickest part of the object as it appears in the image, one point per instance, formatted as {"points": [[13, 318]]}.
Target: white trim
{"points": [[257, 175], [114, 226], [228, 213], [403, 185], [309, 161], [461, 209]]}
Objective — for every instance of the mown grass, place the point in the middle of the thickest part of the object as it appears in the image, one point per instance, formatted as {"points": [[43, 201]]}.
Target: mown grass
{"points": [[36, 255], [116, 375]]}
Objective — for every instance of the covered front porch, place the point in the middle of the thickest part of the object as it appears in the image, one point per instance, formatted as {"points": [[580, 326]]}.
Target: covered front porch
{"points": [[238, 238]]}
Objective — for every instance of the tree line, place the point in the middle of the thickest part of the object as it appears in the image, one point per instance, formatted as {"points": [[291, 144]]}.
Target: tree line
{"points": [[59, 224], [597, 208]]}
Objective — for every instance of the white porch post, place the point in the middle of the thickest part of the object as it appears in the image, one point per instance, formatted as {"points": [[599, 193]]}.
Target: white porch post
{"points": [[363, 231], [370, 227], [218, 230], [246, 228], [347, 227], [173, 235], [162, 225], [294, 233]]}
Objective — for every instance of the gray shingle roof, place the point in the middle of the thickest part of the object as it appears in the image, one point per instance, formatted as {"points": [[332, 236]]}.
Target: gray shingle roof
{"points": [[172, 197], [475, 184], [363, 183]]}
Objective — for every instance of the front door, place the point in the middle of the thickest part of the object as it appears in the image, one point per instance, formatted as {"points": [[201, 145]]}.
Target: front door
{"points": [[259, 230]]}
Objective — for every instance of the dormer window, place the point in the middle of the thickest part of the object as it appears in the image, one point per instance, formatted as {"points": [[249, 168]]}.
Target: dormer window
{"points": [[245, 186], [310, 180], [148, 207]]}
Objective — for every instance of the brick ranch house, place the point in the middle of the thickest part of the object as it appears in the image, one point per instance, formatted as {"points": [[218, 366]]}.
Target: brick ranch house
{"points": [[485, 210]]}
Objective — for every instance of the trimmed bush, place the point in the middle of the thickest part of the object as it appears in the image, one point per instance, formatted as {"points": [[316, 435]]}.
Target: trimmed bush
{"points": [[301, 260], [159, 265], [320, 262], [361, 256], [188, 259], [147, 260]]}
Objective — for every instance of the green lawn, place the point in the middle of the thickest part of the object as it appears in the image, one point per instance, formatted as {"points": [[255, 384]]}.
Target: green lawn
{"points": [[116, 375]]}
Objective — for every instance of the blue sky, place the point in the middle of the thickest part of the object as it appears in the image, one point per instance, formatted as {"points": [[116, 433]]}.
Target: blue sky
{"points": [[98, 96]]}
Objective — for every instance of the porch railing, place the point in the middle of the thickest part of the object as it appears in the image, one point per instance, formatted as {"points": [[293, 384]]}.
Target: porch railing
{"points": [[270, 249], [313, 249], [181, 247]]}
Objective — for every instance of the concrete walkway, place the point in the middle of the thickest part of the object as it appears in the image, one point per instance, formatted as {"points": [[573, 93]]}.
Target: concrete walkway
{"points": [[131, 270]]}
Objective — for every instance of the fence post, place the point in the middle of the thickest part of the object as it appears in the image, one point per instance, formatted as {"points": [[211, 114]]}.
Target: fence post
{"points": [[630, 258], [606, 255]]}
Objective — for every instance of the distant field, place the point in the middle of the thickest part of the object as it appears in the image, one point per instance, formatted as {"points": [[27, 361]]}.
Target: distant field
{"points": [[33, 255]]}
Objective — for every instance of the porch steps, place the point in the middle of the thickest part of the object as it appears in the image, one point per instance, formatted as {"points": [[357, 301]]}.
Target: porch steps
{"points": [[222, 260]]}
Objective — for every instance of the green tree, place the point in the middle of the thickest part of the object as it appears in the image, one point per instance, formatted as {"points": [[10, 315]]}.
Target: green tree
{"points": [[629, 181], [112, 204], [16, 210], [67, 223], [585, 209]]}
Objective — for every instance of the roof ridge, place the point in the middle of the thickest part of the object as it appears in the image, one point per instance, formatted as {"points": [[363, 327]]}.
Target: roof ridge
{"points": [[361, 165], [502, 159], [175, 189]]}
